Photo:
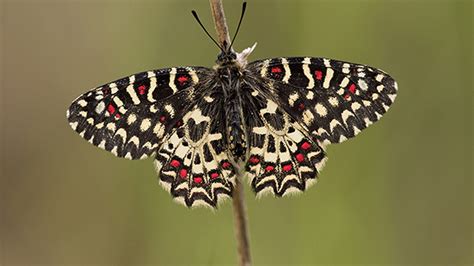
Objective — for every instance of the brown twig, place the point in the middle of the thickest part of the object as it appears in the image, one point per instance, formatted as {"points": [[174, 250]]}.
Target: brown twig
{"points": [[240, 220], [217, 11], [240, 214]]}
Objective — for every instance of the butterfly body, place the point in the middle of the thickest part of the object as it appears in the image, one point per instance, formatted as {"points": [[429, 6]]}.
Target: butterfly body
{"points": [[231, 77]]}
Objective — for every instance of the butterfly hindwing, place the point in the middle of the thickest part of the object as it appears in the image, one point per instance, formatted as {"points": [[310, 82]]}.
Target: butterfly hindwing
{"points": [[193, 163], [282, 159], [333, 100], [130, 116]]}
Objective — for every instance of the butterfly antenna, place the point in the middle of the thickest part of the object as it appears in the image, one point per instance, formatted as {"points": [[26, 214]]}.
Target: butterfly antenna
{"points": [[244, 6], [202, 26]]}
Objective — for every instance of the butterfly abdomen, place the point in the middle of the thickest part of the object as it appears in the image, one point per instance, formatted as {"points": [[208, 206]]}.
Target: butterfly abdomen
{"points": [[235, 126]]}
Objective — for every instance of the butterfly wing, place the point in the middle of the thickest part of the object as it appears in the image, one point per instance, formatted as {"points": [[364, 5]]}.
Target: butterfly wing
{"points": [[333, 100], [193, 162], [283, 158], [167, 112], [130, 116], [297, 105]]}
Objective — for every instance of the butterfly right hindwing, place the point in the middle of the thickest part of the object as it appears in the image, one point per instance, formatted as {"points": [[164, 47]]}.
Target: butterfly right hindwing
{"points": [[283, 158]]}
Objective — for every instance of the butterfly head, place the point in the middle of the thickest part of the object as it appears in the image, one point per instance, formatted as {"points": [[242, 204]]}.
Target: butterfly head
{"points": [[230, 57], [226, 57]]}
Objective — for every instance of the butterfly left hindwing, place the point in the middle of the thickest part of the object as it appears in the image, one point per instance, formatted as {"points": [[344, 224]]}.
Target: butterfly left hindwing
{"points": [[193, 162]]}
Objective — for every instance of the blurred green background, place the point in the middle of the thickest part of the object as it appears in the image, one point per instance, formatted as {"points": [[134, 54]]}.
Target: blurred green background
{"points": [[401, 193]]}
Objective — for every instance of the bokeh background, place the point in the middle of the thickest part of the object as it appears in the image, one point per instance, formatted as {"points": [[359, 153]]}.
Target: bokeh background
{"points": [[401, 193]]}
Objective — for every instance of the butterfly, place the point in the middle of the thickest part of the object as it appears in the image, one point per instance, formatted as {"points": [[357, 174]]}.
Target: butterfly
{"points": [[269, 120]]}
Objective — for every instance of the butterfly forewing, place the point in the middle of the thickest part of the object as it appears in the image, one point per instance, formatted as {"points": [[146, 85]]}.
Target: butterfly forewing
{"points": [[130, 116], [333, 100]]}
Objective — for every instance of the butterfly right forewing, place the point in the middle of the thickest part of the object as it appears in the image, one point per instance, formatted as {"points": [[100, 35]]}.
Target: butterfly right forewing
{"points": [[333, 100]]}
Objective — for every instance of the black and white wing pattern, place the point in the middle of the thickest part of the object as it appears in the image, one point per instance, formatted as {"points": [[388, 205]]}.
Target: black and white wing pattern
{"points": [[192, 162], [274, 115], [283, 158], [304, 104], [333, 100], [161, 113], [130, 116]]}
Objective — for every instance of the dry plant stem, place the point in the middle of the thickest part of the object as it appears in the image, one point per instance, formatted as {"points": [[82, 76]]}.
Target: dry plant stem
{"points": [[219, 21], [240, 220], [240, 214]]}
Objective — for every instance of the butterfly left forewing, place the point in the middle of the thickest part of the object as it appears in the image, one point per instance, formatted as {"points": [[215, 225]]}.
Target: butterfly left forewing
{"points": [[130, 116]]}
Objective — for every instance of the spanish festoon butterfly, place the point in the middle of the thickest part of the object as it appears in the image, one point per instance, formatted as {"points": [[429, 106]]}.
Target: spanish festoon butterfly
{"points": [[269, 118]]}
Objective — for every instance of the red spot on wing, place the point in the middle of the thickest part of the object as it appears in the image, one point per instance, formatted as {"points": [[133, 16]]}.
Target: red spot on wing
{"points": [[162, 118], [175, 163], [214, 175], [111, 109], [117, 115], [318, 74], [287, 167], [225, 165], [141, 89], [276, 69], [352, 88], [299, 157], [254, 160], [182, 79], [306, 145], [197, 179], [301, 106], [183, 173], [269, 168]]}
